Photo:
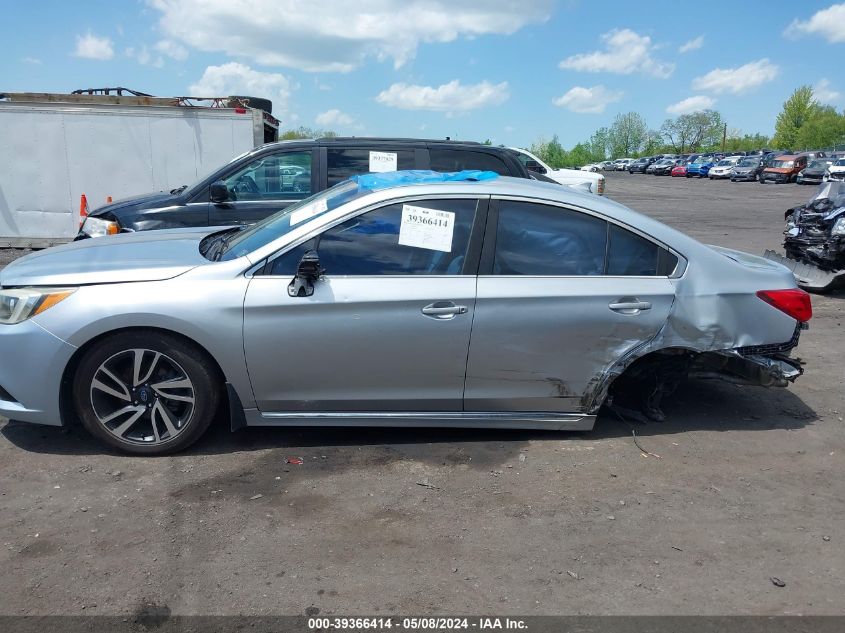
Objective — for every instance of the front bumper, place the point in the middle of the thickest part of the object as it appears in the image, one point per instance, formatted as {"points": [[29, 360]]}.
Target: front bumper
{"points": [[720, 174], [32, 362], [748, 175]]}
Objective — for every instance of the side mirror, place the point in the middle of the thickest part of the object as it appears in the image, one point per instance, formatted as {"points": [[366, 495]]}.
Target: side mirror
{"points": [[308, 271], [218, 192], [533, 165]]}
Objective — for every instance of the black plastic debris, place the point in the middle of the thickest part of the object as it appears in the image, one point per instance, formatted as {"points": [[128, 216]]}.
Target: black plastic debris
{"points": [[814, 240]]}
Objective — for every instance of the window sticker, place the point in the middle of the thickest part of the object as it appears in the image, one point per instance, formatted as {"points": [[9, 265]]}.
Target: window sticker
{"points": [[308, 211], [383, 161], [427, 228]]}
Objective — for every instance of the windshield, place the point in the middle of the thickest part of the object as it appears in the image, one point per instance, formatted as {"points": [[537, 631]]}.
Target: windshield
{"points": [[725, 163], [285, 221], [819, 164], [783, 164], [840, 162], [752, 162]]}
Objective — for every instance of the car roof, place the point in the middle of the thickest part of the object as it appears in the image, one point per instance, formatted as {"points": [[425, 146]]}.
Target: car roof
{"points": [[383, 140]]}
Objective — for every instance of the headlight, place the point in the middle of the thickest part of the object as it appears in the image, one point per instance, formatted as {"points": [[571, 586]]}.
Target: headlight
{"points": [[838, 227], [97, 227], [20, 304]]}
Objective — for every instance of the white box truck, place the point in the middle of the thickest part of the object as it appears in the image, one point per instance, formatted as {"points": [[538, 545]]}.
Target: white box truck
{"points": [[54, 148]]}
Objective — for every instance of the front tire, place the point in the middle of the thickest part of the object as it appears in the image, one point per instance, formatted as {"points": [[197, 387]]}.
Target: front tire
{"points": [[146, 393]]}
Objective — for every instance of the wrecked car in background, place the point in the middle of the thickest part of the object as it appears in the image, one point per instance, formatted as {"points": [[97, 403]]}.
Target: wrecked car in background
{"points": [[836, 171], [814, 240], [398, 299]]}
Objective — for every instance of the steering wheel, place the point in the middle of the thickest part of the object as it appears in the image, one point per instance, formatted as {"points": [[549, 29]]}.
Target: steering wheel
{"points": [[245, 184]]}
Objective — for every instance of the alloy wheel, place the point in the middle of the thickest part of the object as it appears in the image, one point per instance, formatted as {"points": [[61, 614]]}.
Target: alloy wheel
{"points": [[142, 396]]}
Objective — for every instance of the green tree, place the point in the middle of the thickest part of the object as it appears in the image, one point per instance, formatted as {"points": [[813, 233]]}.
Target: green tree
{"points": [[579, 155], [305, 132], [627, 135], [599, 144], [797, 110], [693, 132], [550, 152], [825, 128]]}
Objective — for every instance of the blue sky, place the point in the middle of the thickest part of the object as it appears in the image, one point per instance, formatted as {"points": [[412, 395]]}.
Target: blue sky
{"points": [[512, 71]]}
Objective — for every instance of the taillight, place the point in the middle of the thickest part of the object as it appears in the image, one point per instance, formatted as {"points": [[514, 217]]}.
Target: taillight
{"points": [[792, 301]]}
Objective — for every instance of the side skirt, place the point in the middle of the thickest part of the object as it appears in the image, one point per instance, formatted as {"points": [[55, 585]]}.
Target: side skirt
{"points": [[460, 419]]}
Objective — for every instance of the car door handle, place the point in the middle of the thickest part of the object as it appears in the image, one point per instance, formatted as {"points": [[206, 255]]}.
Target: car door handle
{"points": [[628, 305], [443, 310]]}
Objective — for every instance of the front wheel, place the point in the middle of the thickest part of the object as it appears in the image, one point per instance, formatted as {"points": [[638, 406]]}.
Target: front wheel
{"points": [[147, 393]]}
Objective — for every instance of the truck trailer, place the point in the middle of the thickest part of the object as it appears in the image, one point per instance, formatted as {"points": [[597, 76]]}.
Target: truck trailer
{"points": [[55, 148]]}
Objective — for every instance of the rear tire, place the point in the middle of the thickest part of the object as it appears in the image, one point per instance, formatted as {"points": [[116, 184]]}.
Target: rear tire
{"points": [[146, 393]]}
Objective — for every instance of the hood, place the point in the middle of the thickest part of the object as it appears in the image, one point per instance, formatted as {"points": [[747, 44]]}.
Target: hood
{"points": [[779, 170], [744, 169], [816, 171], [145, 256], [158, 198]]}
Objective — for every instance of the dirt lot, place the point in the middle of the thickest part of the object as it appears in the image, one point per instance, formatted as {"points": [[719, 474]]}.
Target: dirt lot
{"points": [[748, 486]]}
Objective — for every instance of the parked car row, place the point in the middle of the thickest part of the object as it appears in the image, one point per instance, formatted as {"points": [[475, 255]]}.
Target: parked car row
{"points": [[782, 166]]}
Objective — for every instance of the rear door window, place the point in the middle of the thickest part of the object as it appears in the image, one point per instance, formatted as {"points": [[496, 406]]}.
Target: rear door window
{"points": [[542, 240], [343, 163], [534, 239]]}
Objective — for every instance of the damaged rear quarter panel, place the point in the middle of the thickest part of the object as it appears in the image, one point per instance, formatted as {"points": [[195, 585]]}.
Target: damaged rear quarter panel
{"points": [[716, 309]]}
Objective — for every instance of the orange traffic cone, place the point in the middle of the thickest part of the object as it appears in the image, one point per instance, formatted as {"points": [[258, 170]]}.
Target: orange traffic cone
{"points": [[83, 210]]}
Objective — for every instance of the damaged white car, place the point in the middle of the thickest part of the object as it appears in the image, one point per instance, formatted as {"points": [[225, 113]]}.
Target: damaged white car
{"points": [[400, 299]]}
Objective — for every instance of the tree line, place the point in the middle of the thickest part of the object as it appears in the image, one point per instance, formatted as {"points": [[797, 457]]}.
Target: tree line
{"points": [[803, 124]]}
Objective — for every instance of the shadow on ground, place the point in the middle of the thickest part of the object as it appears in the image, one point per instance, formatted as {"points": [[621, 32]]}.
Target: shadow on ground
{"points": [[696, 406]]}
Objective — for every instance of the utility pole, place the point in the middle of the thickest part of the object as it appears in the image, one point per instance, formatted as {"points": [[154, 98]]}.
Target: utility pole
{"points": [[724, 136]]}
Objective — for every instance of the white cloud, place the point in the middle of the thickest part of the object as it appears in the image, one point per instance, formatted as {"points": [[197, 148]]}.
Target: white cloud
{"points": [[144, 57], [692, 45], [237, 79], [90, 46], [626, 52], [828, 23], [823, 92], [31, 60], [691, 104], [333, 118], [327, 35], [172, 49], [450, 97], [737, 80], [587, 100]]}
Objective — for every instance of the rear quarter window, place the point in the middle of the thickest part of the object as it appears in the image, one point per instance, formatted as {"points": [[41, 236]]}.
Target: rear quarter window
{"points": [[343, 163], [457, 160]]}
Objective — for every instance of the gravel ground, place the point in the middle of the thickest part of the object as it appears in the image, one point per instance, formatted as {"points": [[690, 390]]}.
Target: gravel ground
{"points": [[747, 486]]}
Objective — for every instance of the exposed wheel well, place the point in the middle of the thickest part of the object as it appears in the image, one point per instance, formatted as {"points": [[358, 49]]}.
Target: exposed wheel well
{"points": [[66, 390], [643, 381]]}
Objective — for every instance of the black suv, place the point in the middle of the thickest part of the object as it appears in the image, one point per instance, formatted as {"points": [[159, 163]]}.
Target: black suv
{"points": [[273, 176]]}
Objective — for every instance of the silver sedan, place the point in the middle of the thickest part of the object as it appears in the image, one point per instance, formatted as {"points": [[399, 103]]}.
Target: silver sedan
{"points": [[440, 301]]}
